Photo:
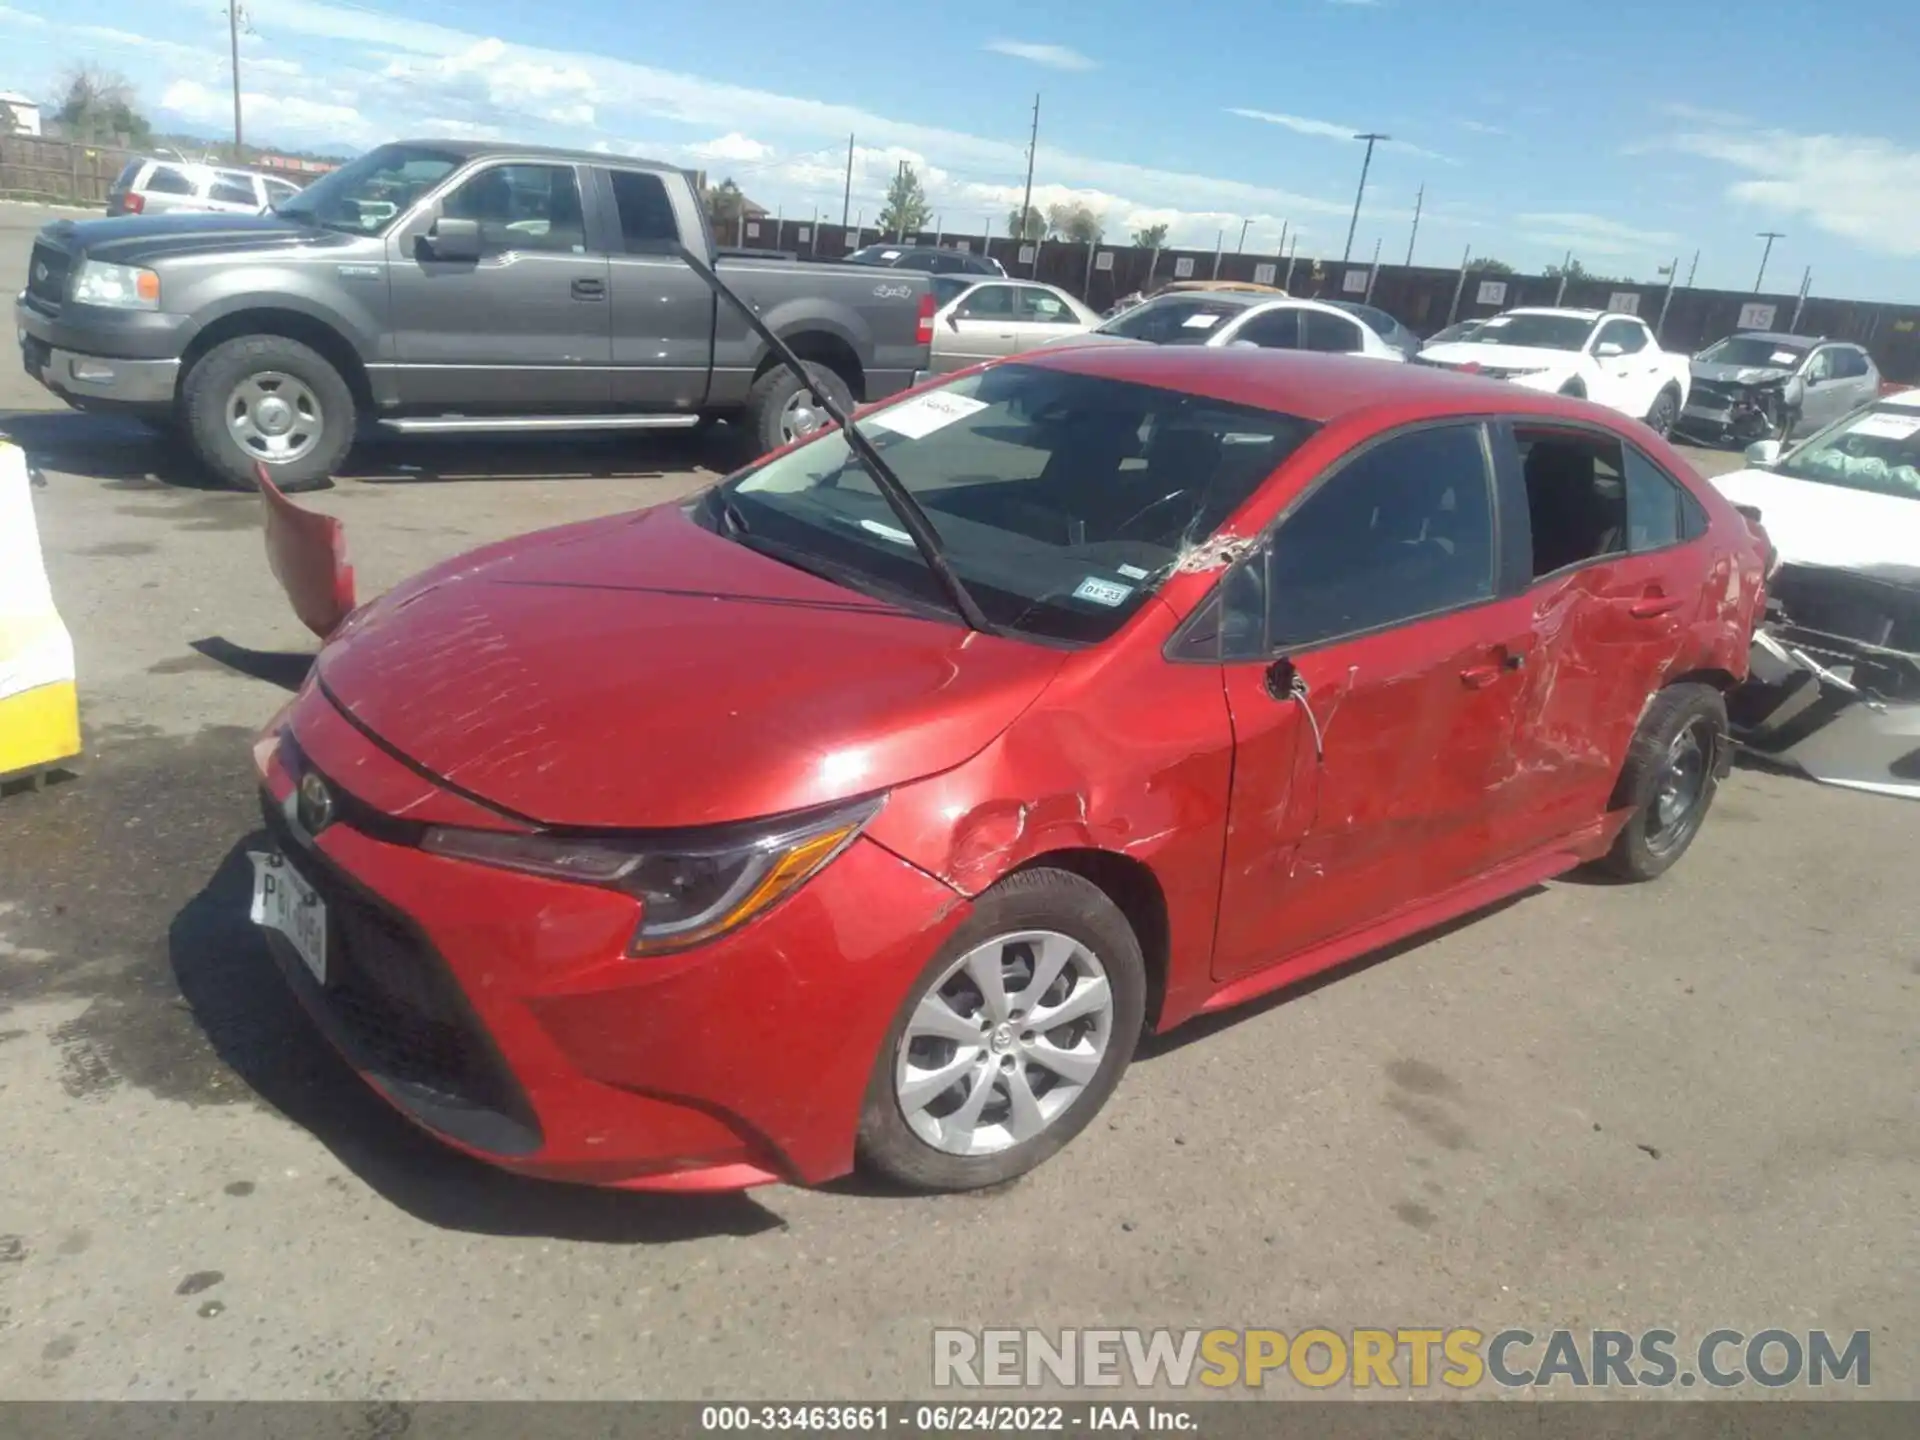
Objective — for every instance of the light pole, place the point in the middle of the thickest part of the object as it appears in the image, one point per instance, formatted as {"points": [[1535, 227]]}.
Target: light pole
{"points": [[1365, 165], [1769, 236]]}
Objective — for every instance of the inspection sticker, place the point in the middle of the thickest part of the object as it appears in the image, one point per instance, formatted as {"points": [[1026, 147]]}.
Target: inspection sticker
{"points": [[1784, 357], [1102, 592], [921, 416], [886, 532], [1201, 322], [1132, 572], [1886, 427]]}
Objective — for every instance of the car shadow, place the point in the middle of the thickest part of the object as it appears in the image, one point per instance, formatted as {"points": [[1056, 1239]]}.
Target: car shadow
{"points": [[258, 1029], [129, 454], [1203, 1026], [285, 668]]}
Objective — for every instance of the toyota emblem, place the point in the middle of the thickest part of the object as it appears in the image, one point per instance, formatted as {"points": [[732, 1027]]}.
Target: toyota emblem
{"points": [[315, 803]]}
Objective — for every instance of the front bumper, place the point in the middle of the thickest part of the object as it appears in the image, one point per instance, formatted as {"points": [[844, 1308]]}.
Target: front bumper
{"points": [[1839, 711], [86, 354], [500, 1011]]}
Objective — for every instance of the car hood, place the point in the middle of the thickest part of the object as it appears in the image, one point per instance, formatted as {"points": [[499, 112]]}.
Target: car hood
{"points": [[641, 672], [1739, 374], [1814, 524], [1503, 357], [141, 239]]}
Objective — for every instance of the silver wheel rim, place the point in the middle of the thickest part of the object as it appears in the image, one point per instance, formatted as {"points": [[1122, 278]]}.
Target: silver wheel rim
{"points": [[1003, 1042], [1683, 781], [801, 416], [274, 417]]}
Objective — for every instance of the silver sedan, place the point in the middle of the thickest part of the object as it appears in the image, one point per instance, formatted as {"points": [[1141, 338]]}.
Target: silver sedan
{"points": [[988, 319]]}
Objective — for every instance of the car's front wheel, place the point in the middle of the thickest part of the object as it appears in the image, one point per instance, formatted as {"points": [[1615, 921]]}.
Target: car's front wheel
{"points": [[1010, 1041], [267, 400], [1666, 410]]}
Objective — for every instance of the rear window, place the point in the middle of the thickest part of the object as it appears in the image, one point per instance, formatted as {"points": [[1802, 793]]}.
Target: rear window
{"points": [[124, 180], [165, 180], [233, 190], [1174, 319], [646, 215]]}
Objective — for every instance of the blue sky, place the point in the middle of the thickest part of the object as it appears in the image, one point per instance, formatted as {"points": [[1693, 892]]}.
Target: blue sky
{"points": [[1628, 133]]}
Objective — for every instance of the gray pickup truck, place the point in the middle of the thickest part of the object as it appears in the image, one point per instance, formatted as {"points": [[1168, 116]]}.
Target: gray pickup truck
{"points": [[450, 288]]}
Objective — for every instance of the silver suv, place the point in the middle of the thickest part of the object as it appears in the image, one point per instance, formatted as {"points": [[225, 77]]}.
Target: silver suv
{"points": [[154, 187]]}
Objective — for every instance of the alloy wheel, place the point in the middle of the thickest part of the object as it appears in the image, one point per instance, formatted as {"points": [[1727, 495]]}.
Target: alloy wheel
{"points": [[1679, 795], [274, 417]]}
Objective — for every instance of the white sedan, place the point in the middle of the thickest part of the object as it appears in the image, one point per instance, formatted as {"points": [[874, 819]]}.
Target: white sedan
{"points": [[1220, 318], [985, 319], [1610, 359]]}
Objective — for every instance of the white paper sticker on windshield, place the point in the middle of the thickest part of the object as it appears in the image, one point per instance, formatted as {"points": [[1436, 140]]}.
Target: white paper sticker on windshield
{"points": [[1886, 427], [921, 416], [1784, 357], [1201, 322], [1132, 572], [887, 532], [1102, 592], [1495, 323]]}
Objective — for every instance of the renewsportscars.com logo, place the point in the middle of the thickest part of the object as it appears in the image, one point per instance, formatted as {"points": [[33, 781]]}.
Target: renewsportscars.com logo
{"points": [[1459, 1358]]}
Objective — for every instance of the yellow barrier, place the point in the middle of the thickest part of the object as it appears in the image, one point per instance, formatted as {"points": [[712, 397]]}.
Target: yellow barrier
{"points": [[39, 702]]}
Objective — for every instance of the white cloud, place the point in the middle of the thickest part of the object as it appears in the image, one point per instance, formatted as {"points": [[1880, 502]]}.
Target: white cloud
{"points": [[731, 146], [203, 105], [1480, 127], [1588, 235], [1328, 130], [22, 18], [1864, 188], [1054, 57]]}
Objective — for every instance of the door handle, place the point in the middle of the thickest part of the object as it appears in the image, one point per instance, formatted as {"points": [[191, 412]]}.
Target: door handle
{"points": [[1649, 607], [589, 289]]}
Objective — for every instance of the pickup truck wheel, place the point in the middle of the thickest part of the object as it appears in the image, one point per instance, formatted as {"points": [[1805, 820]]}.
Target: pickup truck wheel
{"points": [[780, 410], [1666, 409], [265, 399]]}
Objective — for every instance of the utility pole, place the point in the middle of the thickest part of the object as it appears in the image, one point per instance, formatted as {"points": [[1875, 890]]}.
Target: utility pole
{"points": [[1673, 274], [235, 18], [1769, 236], [1459, 284], [900, 213], [846, 195], [1418, 201], [1241, 248], [1365, 165], [1806, 284], [1026, 200], [1218, 245], [1690, 269], [1281, 253], [1372, 274], [1292, 256]]}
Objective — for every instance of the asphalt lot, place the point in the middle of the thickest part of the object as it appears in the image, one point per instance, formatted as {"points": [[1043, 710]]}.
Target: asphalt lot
{"points": [[1688, 1104]]}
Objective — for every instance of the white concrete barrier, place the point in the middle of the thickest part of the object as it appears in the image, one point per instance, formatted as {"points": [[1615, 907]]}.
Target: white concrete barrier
{"points": [[39, 700]]}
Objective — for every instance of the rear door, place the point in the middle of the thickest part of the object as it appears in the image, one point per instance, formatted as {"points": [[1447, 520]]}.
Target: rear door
{"points": [[1331, 333], [232, 192], [983, 326], [1858, 381], [662, 312], [1629, 380], [1374, 705], [1276, 329], [1041, 315], [1827, 395], [167, 188], [525, 328]]}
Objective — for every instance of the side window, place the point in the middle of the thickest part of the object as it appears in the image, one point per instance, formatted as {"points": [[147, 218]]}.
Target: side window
{"points": [[279, 192], [165, 180], [1576, 497], [1041, 307], [1630, 337], [1332, 333], [1275, 330], [125, 179], [522, 207], [988, 302], [646, 215], [1848, 363], [233, 190], [1660, 512], [1821, 366], [1402, 531]]}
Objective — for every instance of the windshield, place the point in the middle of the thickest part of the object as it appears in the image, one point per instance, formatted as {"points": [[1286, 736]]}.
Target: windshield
{"points": [[1876, 449], [1454, 333], [365, 196], [1755, 351], [1535, 332], [1185, 319], [1062, 501]]}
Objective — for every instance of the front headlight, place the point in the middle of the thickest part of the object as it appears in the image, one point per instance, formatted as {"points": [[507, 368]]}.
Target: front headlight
{"points": [[119, 287], [690, 891]]}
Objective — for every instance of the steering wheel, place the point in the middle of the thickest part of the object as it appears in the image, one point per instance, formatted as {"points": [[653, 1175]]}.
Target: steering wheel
{"points": [[1125, 527]]}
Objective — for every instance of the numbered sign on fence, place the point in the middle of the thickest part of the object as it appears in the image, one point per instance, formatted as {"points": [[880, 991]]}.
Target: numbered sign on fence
{"points": [[753, 229], [1624, 302], [1026, 254], [1183, 268], [1263, 274], [1492, 292], [1758, 317], [1354, 282], [1103, 261]]}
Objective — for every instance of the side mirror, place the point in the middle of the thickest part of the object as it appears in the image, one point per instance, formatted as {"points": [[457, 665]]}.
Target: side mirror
{"points": [[1763, 453], [449, 239], [953, 320], [1607, 349]]}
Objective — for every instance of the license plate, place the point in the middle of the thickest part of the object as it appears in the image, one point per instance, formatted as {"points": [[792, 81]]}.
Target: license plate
{"points": [[285, 902]]}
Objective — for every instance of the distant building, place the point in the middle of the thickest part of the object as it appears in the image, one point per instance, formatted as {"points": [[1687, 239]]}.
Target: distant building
{"points": [[26, 113]]}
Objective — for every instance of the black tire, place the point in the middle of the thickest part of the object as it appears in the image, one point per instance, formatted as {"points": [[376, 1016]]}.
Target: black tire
{"points": [[1666, 410], [1038, 899], [1657, 834], [764, 418], [211, 384], [1575, 389]]}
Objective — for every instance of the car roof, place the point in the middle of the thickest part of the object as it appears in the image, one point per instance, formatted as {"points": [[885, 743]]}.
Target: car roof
{"points": [[1781, 337], [1319, 387], [1567, 312], [467, 150]]}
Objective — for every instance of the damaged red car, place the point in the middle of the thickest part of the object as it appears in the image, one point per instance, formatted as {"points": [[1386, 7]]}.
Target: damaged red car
{"points": [[869, 808]]}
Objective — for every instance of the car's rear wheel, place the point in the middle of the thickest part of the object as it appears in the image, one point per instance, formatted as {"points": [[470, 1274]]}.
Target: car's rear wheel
{"points": [[1010, 1041], [267, 400], [1666, 410], [781, 410], [1672, 772]]}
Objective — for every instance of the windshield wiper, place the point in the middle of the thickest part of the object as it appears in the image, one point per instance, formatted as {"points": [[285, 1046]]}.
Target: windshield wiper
{"points": [[925, 538]]}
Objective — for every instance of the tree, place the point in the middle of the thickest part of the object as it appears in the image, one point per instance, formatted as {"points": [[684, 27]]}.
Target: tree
{"points": [[1151, 237], [1033, 227], [906, 211], [1490, 266], [1577, 271], [726, 207], [98, 108], [1074, 222]]}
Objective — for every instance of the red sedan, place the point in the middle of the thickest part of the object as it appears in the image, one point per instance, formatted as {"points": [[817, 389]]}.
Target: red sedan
{"points": [[756, 837]]}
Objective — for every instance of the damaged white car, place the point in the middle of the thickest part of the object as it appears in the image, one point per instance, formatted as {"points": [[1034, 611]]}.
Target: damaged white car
{"points": [[1835, 684]]}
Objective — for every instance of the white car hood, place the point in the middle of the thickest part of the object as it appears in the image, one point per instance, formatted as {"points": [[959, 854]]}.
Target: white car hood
{"points": [[1505, 357], [1814, 524]]}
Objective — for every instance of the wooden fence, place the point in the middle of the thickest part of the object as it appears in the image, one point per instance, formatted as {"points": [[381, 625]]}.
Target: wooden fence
{"points": [[70, 172]]}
